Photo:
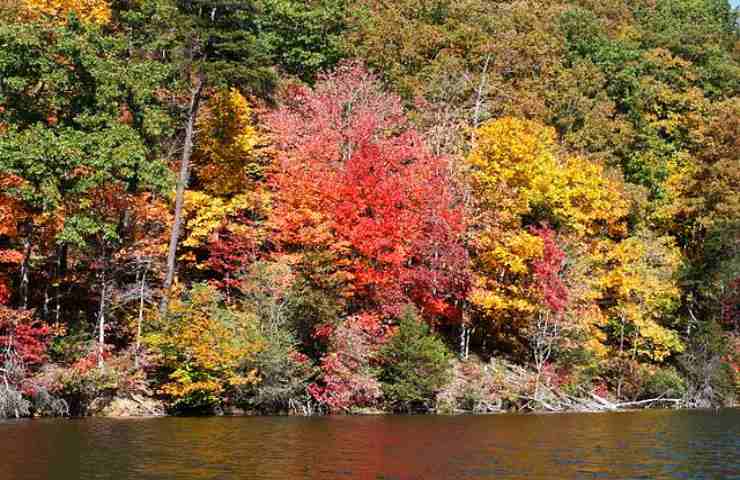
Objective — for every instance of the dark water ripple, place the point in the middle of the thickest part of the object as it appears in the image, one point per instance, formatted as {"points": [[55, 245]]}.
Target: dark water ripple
{"points": [[634, 445]]}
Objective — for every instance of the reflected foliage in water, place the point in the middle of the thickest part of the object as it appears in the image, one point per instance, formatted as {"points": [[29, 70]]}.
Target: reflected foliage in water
{"points": [[650, 444]]}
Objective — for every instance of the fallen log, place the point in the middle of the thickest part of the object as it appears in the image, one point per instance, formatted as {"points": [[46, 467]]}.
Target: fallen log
{"points": [[649, 401], [603, 401]]}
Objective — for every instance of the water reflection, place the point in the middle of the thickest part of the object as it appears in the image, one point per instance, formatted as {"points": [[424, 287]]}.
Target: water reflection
{"points": [[651, 444]]}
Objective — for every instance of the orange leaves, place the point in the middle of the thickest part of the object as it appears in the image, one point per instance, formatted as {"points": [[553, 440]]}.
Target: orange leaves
{"points": [[10, 208], [89, 11], [10, 256]]}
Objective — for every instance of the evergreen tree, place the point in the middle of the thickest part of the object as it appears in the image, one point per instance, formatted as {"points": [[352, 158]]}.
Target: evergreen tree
{"points": [[416, 365]]}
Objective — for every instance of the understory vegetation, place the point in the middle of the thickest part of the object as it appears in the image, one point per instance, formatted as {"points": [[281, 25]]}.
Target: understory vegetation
{"points": [[335, 207]]}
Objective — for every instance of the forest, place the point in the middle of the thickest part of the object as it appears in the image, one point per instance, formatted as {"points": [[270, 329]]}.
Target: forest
{"points": [[361, 206]]}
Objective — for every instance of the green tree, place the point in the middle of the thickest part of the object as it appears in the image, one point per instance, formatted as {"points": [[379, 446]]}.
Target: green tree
{"points": [[302, 37], [81, 118], [416, 365]]}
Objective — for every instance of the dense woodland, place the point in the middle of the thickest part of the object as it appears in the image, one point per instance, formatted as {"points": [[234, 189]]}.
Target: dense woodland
{"points": [[336, 206]]}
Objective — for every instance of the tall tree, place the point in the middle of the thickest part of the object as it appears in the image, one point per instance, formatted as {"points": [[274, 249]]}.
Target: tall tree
{"points": [[220, 48], [82, 117]]}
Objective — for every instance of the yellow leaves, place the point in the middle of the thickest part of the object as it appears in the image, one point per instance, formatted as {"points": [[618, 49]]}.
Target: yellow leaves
{"points": [[501, 288], [88, 11], [702, 186], [520, 177], [226, 156], [639, 267], [205, 215], [657, 342], [207, 344], [591, 322], [637, 277], [517, 167], [183, 385], [510, 161], [516, 251], [587, 200]]}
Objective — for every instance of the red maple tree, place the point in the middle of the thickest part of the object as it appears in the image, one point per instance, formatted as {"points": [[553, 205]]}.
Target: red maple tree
{"points": [[355, 179]]}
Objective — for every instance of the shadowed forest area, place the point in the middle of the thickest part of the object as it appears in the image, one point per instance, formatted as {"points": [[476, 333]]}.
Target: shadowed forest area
{"points": [[335, 206]]}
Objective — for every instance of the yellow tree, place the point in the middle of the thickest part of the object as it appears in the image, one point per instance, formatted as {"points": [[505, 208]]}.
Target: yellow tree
{"points": [[519, 179], [228, 166], [205, 347], [635, 281], [620, 283], [226, 160]]}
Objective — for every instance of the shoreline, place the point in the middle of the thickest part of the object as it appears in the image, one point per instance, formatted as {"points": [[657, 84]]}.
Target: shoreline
{"points": [[375, 414]]}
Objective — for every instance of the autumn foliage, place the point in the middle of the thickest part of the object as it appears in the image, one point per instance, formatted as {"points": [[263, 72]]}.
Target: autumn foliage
{"points": [[242, 204], [355, 180]]}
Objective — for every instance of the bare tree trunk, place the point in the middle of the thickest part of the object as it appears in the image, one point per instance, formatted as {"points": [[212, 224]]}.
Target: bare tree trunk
{"points": [[101, 321], [61, 273], [621, 352], [544, 337], [182, 183], [479, 98], [47, 300], [468, 332], [465, 331], [25, 266], [141, 316]]}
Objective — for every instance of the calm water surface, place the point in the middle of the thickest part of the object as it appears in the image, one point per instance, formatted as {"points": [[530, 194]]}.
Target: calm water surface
{"points": [[645, 445]]}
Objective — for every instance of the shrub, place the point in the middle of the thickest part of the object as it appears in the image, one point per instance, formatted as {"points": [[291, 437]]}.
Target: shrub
{"points": [[84, 387], [416, 365], [205, 347], [284, 375], [662, 382], [711, 380], [348, 377], [12, 402], [80, 384]]}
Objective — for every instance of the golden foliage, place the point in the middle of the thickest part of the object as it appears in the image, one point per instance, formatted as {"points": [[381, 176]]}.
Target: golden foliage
{"points": [[636, 278], [206, 345], [226, 159], [88, 11], [519, 177]]}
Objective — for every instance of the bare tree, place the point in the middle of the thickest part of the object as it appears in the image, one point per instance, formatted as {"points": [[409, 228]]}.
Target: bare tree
{"points": [[182, 183], [545, 334]]}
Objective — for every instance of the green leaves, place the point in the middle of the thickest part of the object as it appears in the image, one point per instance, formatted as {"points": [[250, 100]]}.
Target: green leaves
{"points": [[303, 38], [83, 117], [416, 365]]}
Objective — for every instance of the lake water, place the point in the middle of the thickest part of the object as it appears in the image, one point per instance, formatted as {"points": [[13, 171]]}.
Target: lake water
{"points": [[645, 445]]}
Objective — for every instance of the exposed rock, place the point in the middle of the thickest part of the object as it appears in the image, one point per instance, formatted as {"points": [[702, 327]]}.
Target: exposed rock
{"points": [[133, 406]]}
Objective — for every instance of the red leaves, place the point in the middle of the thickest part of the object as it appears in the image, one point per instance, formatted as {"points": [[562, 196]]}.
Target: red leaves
{"points": [[230, 255], [5, 291], [355, 179], [547, 271], [28, 337], [346, 380]]}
